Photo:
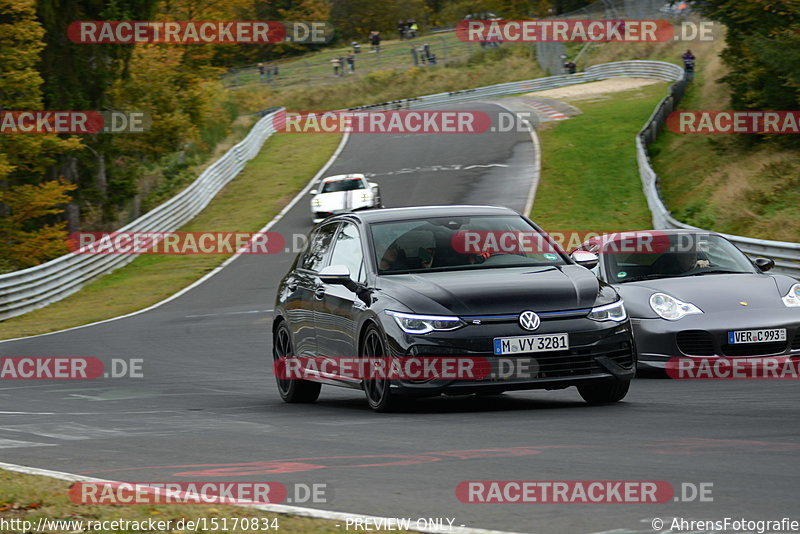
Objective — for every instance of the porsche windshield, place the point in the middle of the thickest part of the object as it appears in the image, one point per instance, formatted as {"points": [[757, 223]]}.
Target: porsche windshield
{"points": [[676, 255], [452, 243]]}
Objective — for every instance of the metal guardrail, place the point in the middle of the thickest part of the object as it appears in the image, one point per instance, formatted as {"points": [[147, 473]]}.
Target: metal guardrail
{"points": [[35, 287], [785, 254], [27, 289]]}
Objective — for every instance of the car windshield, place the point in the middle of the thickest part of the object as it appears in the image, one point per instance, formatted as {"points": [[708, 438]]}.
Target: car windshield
{"points": [[675, 255], [348, 184], [454, 243]]}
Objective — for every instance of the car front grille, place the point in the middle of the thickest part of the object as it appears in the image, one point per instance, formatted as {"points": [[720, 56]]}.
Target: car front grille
{"points": [[796, 342], [754, 349], [573, 362], [695, 343], [577, 362]]}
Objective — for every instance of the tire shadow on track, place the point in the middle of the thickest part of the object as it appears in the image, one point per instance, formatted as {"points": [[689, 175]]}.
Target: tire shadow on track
{"points": [[455, 404]]}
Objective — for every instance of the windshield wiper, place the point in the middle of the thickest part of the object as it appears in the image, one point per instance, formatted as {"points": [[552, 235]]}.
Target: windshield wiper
{"points": [[718, 271]]}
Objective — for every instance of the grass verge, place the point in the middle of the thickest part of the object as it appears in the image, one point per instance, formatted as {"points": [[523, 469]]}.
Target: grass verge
{"points": [[31, 498], [270, 180], [589, 180]]}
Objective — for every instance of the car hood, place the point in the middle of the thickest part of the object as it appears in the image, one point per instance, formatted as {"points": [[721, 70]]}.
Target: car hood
{"points": [[342, 200], [496, 291], [711, 293]]}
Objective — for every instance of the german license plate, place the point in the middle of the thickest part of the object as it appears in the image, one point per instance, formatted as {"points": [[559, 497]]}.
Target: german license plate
{"points": [[526, 344], [756, 336]]}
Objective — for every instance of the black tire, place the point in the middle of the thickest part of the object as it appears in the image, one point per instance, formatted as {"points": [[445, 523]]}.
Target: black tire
{"points": [[378, 392], [604, 392], [291, 391]]}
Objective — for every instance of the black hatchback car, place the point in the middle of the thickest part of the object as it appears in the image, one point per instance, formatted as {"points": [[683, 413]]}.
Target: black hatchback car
{"points": [[399, 285]]}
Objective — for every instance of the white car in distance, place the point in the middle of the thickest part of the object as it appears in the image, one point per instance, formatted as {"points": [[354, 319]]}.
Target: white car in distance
{"points": [[343, 193]]}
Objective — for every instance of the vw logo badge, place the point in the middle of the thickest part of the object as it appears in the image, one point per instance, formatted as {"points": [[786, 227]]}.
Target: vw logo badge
{"points": [[529, 320]]}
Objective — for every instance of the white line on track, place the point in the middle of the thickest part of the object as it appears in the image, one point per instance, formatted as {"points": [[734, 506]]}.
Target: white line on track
{"points": [[537, 162]]}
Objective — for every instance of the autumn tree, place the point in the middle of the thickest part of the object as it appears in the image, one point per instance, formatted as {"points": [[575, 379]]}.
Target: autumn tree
{"points": [[30, 226], [26, 236]]}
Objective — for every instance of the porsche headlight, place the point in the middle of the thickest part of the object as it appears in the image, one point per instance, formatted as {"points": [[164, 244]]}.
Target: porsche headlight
{"points": [[670, 308], [315, 203], [422, 324], [365, 197], [610, 312], [792, 298]]}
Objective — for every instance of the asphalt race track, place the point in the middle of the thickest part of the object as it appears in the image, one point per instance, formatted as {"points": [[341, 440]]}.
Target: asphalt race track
{"points": [[207, 407]]}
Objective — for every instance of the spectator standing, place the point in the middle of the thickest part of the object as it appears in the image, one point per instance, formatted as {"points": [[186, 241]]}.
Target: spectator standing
{"points": [[375, 40], [336, 63], [351, 62], [401, 29], [688, 65], [262, 73], [412, 28], [570, 67]]}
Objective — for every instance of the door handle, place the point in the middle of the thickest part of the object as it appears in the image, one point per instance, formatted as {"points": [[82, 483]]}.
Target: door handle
{"points": [[319, 293]]}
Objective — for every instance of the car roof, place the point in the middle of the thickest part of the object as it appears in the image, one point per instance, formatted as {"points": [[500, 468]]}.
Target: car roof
{"points": [[427, 212], [338, 177]]}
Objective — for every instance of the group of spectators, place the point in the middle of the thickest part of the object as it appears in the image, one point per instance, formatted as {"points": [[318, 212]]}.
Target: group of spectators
{"points": [[338, 64], [265, 73]]}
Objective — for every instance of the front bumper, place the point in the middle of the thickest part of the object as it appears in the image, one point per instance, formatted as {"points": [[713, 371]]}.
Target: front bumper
{"points": [[597, 351], [706, 336]]}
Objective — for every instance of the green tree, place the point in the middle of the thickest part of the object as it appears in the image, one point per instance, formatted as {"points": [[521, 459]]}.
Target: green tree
{"points": [[762, 52]]}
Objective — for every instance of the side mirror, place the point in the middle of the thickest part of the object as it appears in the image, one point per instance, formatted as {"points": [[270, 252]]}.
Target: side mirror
{"points": [[313, 192], [764, 264], [338, 275], [585, 259]]}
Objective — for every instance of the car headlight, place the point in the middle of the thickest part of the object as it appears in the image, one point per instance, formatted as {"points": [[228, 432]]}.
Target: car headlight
{"points": [[792, 298], [365, 197], [610, 312], [422, 324], [315, 203], [670, 308]]}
